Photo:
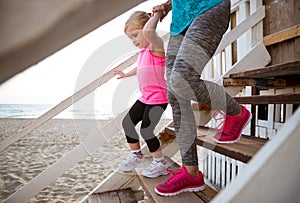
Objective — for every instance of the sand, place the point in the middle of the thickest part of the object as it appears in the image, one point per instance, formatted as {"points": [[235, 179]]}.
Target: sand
{"points": [[29, 156]]}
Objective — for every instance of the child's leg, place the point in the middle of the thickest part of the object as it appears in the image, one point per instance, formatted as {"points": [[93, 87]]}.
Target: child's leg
{"points": [[132, 118], [151, 117], [134, 146], [136, 157]]}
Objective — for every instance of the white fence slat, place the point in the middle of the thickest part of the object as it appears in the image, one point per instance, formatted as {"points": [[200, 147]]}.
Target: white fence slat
{"points": [[243, 42], [257, 29], [213, 167], [218, 169], [240, 29], [223, 171], [228, 170]]}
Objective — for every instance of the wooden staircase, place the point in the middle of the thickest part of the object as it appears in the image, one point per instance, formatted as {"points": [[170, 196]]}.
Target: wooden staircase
{"points": [[243, 150], [276, 78], [248, 145], [240, 52]]}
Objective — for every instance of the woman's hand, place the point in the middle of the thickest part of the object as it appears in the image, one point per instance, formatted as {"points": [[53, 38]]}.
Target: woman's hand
{"points": [[164, 8], [120, 73]]}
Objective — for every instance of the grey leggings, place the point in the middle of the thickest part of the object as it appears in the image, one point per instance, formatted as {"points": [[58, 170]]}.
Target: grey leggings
{"points": [[187, 55]]}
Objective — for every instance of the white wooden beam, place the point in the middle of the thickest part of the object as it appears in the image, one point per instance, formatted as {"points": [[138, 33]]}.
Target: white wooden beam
{"points": [[241, 29], [256, 58], [66, 103], [79, 153], [26, 39]]}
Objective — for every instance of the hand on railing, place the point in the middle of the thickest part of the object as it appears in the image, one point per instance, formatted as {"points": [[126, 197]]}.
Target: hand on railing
{"points": [[124, 75], [120, 73]]}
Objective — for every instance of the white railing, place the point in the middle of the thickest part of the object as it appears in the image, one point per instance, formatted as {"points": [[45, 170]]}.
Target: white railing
{"points": [[86, 148]]}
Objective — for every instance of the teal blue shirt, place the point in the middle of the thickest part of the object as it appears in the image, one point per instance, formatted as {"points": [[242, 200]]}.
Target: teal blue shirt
{"points": [[185, 11]]}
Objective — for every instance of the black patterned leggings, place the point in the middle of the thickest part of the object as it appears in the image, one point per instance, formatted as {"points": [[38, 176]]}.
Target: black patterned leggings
{"points": [[187, 55], [150, 116]]}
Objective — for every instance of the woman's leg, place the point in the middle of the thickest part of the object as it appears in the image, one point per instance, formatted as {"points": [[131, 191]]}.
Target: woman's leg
{"points": [[198, 46], [186, 58], [183, 117]]}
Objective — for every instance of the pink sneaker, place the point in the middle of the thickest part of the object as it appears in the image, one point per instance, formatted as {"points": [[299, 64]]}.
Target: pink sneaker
{"points": [[181, 181], [230, 129]]}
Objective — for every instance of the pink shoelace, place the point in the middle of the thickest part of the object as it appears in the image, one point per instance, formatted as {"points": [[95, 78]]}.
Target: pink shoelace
{"points": [[224, 118], [176, 175]]}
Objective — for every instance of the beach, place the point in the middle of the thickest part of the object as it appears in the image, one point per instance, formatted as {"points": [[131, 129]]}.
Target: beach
{"points": [[32, 154]]}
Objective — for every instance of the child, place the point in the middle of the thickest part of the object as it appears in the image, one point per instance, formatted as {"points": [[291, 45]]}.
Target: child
{"points": [[141, 29]]}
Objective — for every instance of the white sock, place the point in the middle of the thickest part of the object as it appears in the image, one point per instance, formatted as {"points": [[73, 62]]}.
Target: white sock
{"points": [[158, 158], [137, 153]]}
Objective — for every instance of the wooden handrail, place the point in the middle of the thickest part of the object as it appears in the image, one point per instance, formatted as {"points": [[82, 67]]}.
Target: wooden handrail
{"points": [[69, 101], [66, 103], [282, 35]]}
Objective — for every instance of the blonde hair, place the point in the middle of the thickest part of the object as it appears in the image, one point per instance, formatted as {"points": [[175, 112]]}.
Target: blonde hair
{"points": [[137, 20]]}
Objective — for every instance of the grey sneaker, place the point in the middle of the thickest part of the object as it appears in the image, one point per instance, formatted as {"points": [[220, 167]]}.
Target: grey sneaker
{"points": [[134, 160], [156, 169]]}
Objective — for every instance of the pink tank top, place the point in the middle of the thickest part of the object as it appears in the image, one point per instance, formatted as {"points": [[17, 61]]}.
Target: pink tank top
{"points": [[150, 74]]}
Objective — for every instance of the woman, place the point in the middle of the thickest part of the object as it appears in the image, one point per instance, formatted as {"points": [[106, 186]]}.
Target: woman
{"points": [[196, 30]]}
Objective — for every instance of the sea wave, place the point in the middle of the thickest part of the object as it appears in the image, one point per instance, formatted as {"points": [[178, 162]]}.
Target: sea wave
{"points": [[36, 110]]}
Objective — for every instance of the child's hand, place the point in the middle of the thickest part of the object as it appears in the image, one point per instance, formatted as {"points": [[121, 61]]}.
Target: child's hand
{"points": [[120, 73], [163, 9]]}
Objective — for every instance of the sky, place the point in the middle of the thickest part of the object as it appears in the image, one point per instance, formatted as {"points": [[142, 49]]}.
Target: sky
{"points": [[56, 78]]}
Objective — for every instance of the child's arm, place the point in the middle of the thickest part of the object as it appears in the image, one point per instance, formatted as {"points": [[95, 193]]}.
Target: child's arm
{"points": [[124, 75], [149, 32]]}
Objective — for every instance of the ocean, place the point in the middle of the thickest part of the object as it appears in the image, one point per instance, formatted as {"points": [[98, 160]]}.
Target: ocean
{"points": [[36, 110]]}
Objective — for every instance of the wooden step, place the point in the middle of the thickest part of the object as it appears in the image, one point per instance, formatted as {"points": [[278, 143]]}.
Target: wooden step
{"points": [[148, 185], [267, 83], [243, 150], [269, 99], [278, 70], [115, 196], [275, 76], [258, 99]]}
